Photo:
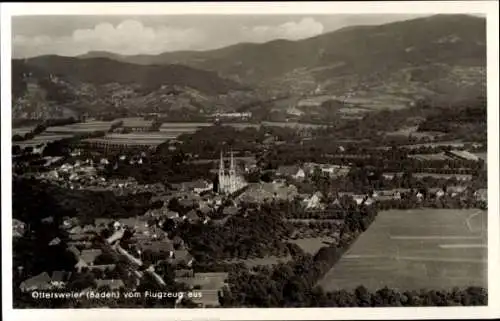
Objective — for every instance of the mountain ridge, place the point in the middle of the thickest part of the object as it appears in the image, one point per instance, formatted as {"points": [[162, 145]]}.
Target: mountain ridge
{"points": [[441, 56]]}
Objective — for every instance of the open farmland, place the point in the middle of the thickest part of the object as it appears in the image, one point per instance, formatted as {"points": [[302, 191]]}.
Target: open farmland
{"points": [[22, 130], [379, 102], [455, 144], [135, 122], [291, 124], [460, 177], [87, 127], [414, 249], [176, 129], [483, 156], [141, 138], [430, 157], [41, 139]]}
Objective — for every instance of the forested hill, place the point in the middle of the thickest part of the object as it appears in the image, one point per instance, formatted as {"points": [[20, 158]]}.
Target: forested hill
{"points": [[53, 85], [450, 40], [100, 71]]}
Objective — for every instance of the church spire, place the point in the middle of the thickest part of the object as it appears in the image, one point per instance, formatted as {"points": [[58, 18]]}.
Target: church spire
{"points": [[232, 169], [221, 165], [222, 176]]}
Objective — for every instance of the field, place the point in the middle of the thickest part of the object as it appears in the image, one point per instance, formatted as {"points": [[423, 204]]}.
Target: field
{"points": [[291, 124], [483, 156], [43, 138], [135, 122], [176, 129], [22, 130], [379, 102], [86, 127], [142, 138], [460, 177], [430, 157], [414, 249], [456, 144]]}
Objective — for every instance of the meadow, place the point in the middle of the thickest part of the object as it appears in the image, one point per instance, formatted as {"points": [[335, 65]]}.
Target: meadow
{"points": [[86, 127], [146, 138], [415, 249], [43, 138]]}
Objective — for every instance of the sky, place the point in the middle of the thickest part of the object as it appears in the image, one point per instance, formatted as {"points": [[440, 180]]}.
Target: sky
{"points": [[131, 35]]}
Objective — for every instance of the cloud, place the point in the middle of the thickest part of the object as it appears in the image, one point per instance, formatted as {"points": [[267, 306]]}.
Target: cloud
{"points": [[129, 37], [305, 28]]}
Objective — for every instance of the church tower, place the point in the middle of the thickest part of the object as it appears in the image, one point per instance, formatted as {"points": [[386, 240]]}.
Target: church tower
{"points": [[222, 176], [232, 175]]}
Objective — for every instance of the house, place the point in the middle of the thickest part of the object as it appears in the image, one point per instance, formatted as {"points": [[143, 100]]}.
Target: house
{"points": [[291, 171], [69, 222], [369, 201], [359, 198], [456, 190], [103, 267], [165, 246], [80, 265], [182, 257], [230, 210], [74, 251], [314, 201], [191, 217], [111, 284], [262, 192], [55, 241], [171, 215], [48, 220], [89, 229], [336, 202], [18, 228], [89, 256], [188, 202], [178, 242], [38, 282], [59, 278], [76, 230], [198, 186], [481, 195], [438, 192], [205, 210], [184, 273]]}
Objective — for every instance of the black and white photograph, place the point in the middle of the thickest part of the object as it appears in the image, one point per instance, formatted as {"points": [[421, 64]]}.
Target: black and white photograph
{"points": [[206, 161]]}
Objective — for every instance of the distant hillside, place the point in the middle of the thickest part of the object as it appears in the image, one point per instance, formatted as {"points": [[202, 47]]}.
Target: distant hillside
{"points": [[391, 66], [99, 71], [437, 55], [45, 86]]}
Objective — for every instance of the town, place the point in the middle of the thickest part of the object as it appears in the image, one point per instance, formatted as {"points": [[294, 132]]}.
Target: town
{"points": [[177, 217], [283, 174]]}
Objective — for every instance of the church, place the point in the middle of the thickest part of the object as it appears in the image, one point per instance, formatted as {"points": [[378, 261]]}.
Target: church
{"points": [[229, 182]]}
